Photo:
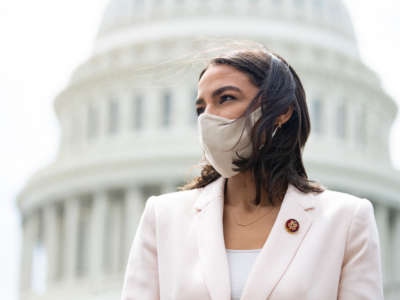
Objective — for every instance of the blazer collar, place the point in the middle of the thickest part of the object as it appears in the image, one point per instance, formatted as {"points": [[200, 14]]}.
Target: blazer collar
{"points": [[275, 255]]}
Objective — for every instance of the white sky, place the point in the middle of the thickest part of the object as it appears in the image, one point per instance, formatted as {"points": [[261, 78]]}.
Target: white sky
{"points": [[41, 44]]}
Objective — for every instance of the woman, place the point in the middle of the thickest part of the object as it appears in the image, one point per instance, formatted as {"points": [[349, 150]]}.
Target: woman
{"points": [[252, 226]]}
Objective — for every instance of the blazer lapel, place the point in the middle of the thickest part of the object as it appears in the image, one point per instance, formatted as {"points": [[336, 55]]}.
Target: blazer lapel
{"points": [[211, 243], [281, 246], [275, 255]]}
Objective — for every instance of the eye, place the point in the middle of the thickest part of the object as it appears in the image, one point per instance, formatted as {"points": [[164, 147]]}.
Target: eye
{"points": [[199, 110], [226, 98]]}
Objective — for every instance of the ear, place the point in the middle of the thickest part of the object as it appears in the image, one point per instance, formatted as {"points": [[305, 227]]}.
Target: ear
{"points": [[285, 117]]}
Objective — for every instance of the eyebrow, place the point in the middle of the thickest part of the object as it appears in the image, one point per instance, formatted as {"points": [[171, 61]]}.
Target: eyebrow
{"points": [[219, 91]]}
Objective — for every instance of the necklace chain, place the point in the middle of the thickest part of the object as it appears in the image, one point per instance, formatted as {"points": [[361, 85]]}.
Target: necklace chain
{"points": [[258, 206], [241, 224]]}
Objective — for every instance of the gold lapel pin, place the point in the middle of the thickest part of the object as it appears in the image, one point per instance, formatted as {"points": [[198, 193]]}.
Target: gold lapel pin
{"points": [[292, 225]]}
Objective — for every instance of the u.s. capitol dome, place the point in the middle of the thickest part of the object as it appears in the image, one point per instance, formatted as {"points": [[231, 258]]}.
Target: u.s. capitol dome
{"points": [[123, 139]]}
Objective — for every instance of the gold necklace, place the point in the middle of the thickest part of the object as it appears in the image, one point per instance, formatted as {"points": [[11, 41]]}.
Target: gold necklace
{"points": [[258, 206], [241, 224]]}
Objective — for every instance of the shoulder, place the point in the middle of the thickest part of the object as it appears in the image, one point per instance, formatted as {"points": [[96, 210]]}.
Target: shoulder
{"points": [[176, 203], [346, 204], [337, 199]]}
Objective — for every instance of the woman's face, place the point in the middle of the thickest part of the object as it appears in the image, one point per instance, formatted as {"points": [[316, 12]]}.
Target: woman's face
{"points": [[224, 91]]}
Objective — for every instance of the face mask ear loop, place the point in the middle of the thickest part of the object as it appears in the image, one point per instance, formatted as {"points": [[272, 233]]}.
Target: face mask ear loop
{"points": [[273, 134], [275, 130], [253, 118]]}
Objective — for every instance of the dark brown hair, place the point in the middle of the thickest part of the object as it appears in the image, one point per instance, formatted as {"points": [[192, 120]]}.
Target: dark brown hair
{"points": [[276, 161]]}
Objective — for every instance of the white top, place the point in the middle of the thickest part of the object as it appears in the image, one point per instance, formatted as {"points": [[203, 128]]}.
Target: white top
{"points": [[240, 264]]}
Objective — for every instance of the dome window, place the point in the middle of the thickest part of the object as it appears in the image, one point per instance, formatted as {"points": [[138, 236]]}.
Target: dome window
{"points": [[92, 122], [113, 112], [341, 122], [316, 115], [166, 109], [137, 112]]}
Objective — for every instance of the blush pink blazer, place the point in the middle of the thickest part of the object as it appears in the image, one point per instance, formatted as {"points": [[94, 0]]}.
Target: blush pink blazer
{"points": [[178, 252]]}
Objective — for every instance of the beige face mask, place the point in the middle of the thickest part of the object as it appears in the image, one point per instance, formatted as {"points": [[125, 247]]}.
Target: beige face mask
{"points": [[219, 138]]}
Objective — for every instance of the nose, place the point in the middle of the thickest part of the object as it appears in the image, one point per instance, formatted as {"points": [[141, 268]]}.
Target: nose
{"points": [[210, 110]]}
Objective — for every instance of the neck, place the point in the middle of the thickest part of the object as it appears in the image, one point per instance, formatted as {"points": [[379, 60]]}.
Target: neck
{"points": [[241, 191]]}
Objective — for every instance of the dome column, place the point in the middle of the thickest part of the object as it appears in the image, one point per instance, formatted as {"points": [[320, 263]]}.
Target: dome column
{"points": [[97, 233], [71, 208], [51, 232], [114, 231], [134, 205], [30, 231]]}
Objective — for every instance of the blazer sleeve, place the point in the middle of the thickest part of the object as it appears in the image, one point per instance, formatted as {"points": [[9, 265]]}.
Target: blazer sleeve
{"points": [[361, 276], [141, 274]]}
